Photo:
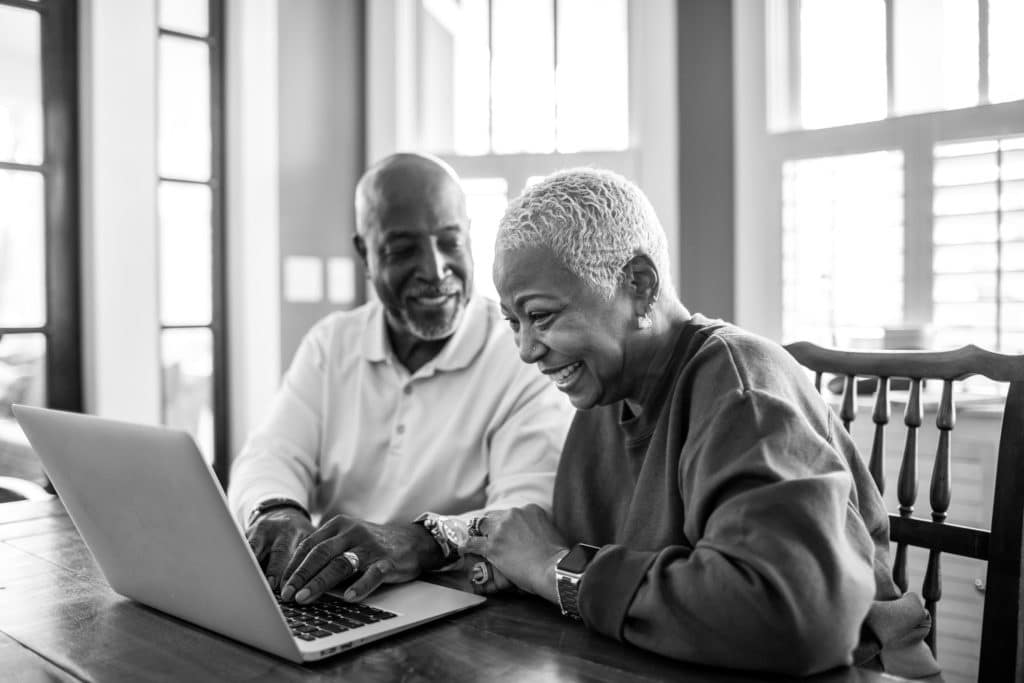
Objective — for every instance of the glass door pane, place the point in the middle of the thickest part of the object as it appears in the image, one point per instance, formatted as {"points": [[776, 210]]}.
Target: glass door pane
{"points": [[22, 250], [186, 254], [187, 358], [22, 381], [184, 109], [21, 87]]}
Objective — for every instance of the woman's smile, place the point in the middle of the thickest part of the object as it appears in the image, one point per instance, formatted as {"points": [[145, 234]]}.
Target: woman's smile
{"points": [[565, 376]]}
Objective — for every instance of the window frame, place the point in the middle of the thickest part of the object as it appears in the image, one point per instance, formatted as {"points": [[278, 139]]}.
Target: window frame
{"points": [[759, 228], [62, 230], [651, 160], [218, 324]]}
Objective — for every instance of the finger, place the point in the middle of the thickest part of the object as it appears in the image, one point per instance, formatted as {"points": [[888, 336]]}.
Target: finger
{"points": [[376, 574], [476, 545], [337, 526], [335, 571], [277, 559], [495, 580], [257, 541], [304, 549], [310, 563]]}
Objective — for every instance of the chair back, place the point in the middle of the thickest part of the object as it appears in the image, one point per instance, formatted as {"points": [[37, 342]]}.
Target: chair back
{"points": [[1000, 545]]}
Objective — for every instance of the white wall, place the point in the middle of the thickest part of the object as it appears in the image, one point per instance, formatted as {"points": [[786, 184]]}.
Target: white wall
{"points": [[120, 345], [121, 354], [252, 214], [758, 240]]}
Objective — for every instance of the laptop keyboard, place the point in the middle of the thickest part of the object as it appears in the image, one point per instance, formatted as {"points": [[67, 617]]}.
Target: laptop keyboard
{"points": [[329, 615]]}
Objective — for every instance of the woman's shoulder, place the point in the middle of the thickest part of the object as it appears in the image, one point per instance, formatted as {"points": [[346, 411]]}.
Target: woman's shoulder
{"points": [[730, 356]]}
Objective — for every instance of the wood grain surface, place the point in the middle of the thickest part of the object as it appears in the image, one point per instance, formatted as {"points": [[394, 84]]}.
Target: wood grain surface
{"points": [[60, 621]]}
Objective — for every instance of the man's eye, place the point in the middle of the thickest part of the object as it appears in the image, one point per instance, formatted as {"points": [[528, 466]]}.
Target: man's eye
{"points": [[393, 250], [452, 244], [513, 323]]}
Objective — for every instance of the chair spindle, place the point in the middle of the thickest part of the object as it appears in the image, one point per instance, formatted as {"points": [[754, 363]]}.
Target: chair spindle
{"points": [[880, 416], [848, 411], [939, 497], [906, 486]]}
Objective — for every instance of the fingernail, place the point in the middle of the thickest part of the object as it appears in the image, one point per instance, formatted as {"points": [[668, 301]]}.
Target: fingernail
{"points": [[349, 595], [302, 595], [287, 592]]}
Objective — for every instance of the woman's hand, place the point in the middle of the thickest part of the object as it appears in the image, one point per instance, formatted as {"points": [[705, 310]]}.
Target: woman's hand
{"points": [[523, 545]]}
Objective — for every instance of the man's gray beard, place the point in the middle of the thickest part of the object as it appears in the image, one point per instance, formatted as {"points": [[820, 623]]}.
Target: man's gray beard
{"points": [[435, 332]]}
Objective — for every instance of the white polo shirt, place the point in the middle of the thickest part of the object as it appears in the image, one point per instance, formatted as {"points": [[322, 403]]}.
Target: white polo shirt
{"points": [[352, 431]]}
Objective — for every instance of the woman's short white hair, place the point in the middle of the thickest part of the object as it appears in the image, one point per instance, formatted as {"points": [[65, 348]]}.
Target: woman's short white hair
{"points": [[593, 220]]}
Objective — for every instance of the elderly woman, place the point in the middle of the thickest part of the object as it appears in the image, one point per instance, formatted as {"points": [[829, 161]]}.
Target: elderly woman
{"points": [[708, 506]]}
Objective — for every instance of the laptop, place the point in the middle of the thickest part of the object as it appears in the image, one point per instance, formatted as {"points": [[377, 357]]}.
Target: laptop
{"points": [[155, 519]]}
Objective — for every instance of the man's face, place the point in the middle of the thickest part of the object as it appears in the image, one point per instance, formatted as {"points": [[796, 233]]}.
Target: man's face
{"points": [[417, 254]]}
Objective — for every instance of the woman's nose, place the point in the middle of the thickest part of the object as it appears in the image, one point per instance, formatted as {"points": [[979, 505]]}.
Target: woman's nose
{"points": [[530, 350]]}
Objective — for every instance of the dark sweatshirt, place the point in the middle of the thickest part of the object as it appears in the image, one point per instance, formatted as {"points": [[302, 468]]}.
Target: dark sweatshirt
{"points": [[739, 526]]}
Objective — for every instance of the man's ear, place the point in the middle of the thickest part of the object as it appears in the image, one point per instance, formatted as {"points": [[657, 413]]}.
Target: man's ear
{"points": [[360, 244], [642, 281]]}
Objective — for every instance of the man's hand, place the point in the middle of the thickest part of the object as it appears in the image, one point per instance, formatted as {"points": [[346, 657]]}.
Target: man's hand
{"points": [[387, 553], [273, 537], [523, 546]]}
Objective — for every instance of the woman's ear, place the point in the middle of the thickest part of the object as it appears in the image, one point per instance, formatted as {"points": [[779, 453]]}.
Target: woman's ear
{"points": [[642, 282]]}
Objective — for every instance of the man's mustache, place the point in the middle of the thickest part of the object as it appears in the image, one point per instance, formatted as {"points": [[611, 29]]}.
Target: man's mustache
{"points": [[445, 289]]}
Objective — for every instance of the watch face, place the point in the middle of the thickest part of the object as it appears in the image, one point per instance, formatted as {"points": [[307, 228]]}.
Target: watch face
{"points": [[578, 558]]}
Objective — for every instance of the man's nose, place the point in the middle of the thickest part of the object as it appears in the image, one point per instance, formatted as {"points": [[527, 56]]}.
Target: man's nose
{"points": [[433, 265]]}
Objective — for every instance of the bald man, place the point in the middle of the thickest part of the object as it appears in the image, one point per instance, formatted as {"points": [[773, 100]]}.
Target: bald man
{"points": [[401, 412]]}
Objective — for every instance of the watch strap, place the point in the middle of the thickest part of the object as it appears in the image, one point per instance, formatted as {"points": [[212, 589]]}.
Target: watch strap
{"points": [[270, 504], [567, 585]]}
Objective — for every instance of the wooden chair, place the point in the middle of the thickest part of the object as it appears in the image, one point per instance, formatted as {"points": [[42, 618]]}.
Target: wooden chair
{"points": [[15, 489], [999, 546]]}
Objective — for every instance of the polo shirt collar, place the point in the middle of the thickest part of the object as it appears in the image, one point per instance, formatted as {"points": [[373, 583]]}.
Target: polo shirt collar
{"points": [[458, 353]]}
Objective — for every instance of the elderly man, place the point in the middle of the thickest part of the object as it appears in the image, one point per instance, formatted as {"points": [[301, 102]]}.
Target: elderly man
{"points": [[399, 413]]}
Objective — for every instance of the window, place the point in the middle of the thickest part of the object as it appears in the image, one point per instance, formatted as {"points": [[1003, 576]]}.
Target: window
{"points": [[191, 226], [508, 90], [523, 76], [978, 254], [40, 358], [898, 154], [842, 246], [841, 63]]}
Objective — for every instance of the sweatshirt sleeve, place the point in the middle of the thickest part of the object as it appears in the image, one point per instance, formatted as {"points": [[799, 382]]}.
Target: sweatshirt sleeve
{"points": [[779, 576], [280, 458]]}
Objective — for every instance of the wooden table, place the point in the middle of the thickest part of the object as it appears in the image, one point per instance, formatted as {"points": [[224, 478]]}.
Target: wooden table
{"points": [[60, 621]]}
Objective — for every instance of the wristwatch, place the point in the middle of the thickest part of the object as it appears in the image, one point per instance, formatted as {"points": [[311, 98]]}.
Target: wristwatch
{"points": [[569, 573], [272, 504]]}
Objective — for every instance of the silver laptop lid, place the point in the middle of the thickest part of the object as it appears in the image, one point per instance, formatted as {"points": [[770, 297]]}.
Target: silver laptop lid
{"points": [[122, 483]]}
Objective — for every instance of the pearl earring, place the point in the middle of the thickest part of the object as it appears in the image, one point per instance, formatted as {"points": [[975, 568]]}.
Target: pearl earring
{"points": [[644, 321]]}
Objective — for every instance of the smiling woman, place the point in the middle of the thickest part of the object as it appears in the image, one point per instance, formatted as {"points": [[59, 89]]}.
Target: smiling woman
{"points": [[707, 505]]}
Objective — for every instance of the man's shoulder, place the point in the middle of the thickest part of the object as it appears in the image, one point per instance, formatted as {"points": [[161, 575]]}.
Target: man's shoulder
{"points": [[351, 321], [499, 345]]}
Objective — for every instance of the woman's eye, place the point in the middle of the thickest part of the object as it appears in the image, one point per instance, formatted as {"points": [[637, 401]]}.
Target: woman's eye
{"points": [[540, 317]]}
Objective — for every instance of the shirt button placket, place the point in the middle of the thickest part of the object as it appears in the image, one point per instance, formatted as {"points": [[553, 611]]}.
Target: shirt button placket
{"points": [[399, 431]]}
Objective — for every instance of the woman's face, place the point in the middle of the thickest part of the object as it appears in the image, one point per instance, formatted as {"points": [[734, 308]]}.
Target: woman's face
{"points": [[574, 336]]}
